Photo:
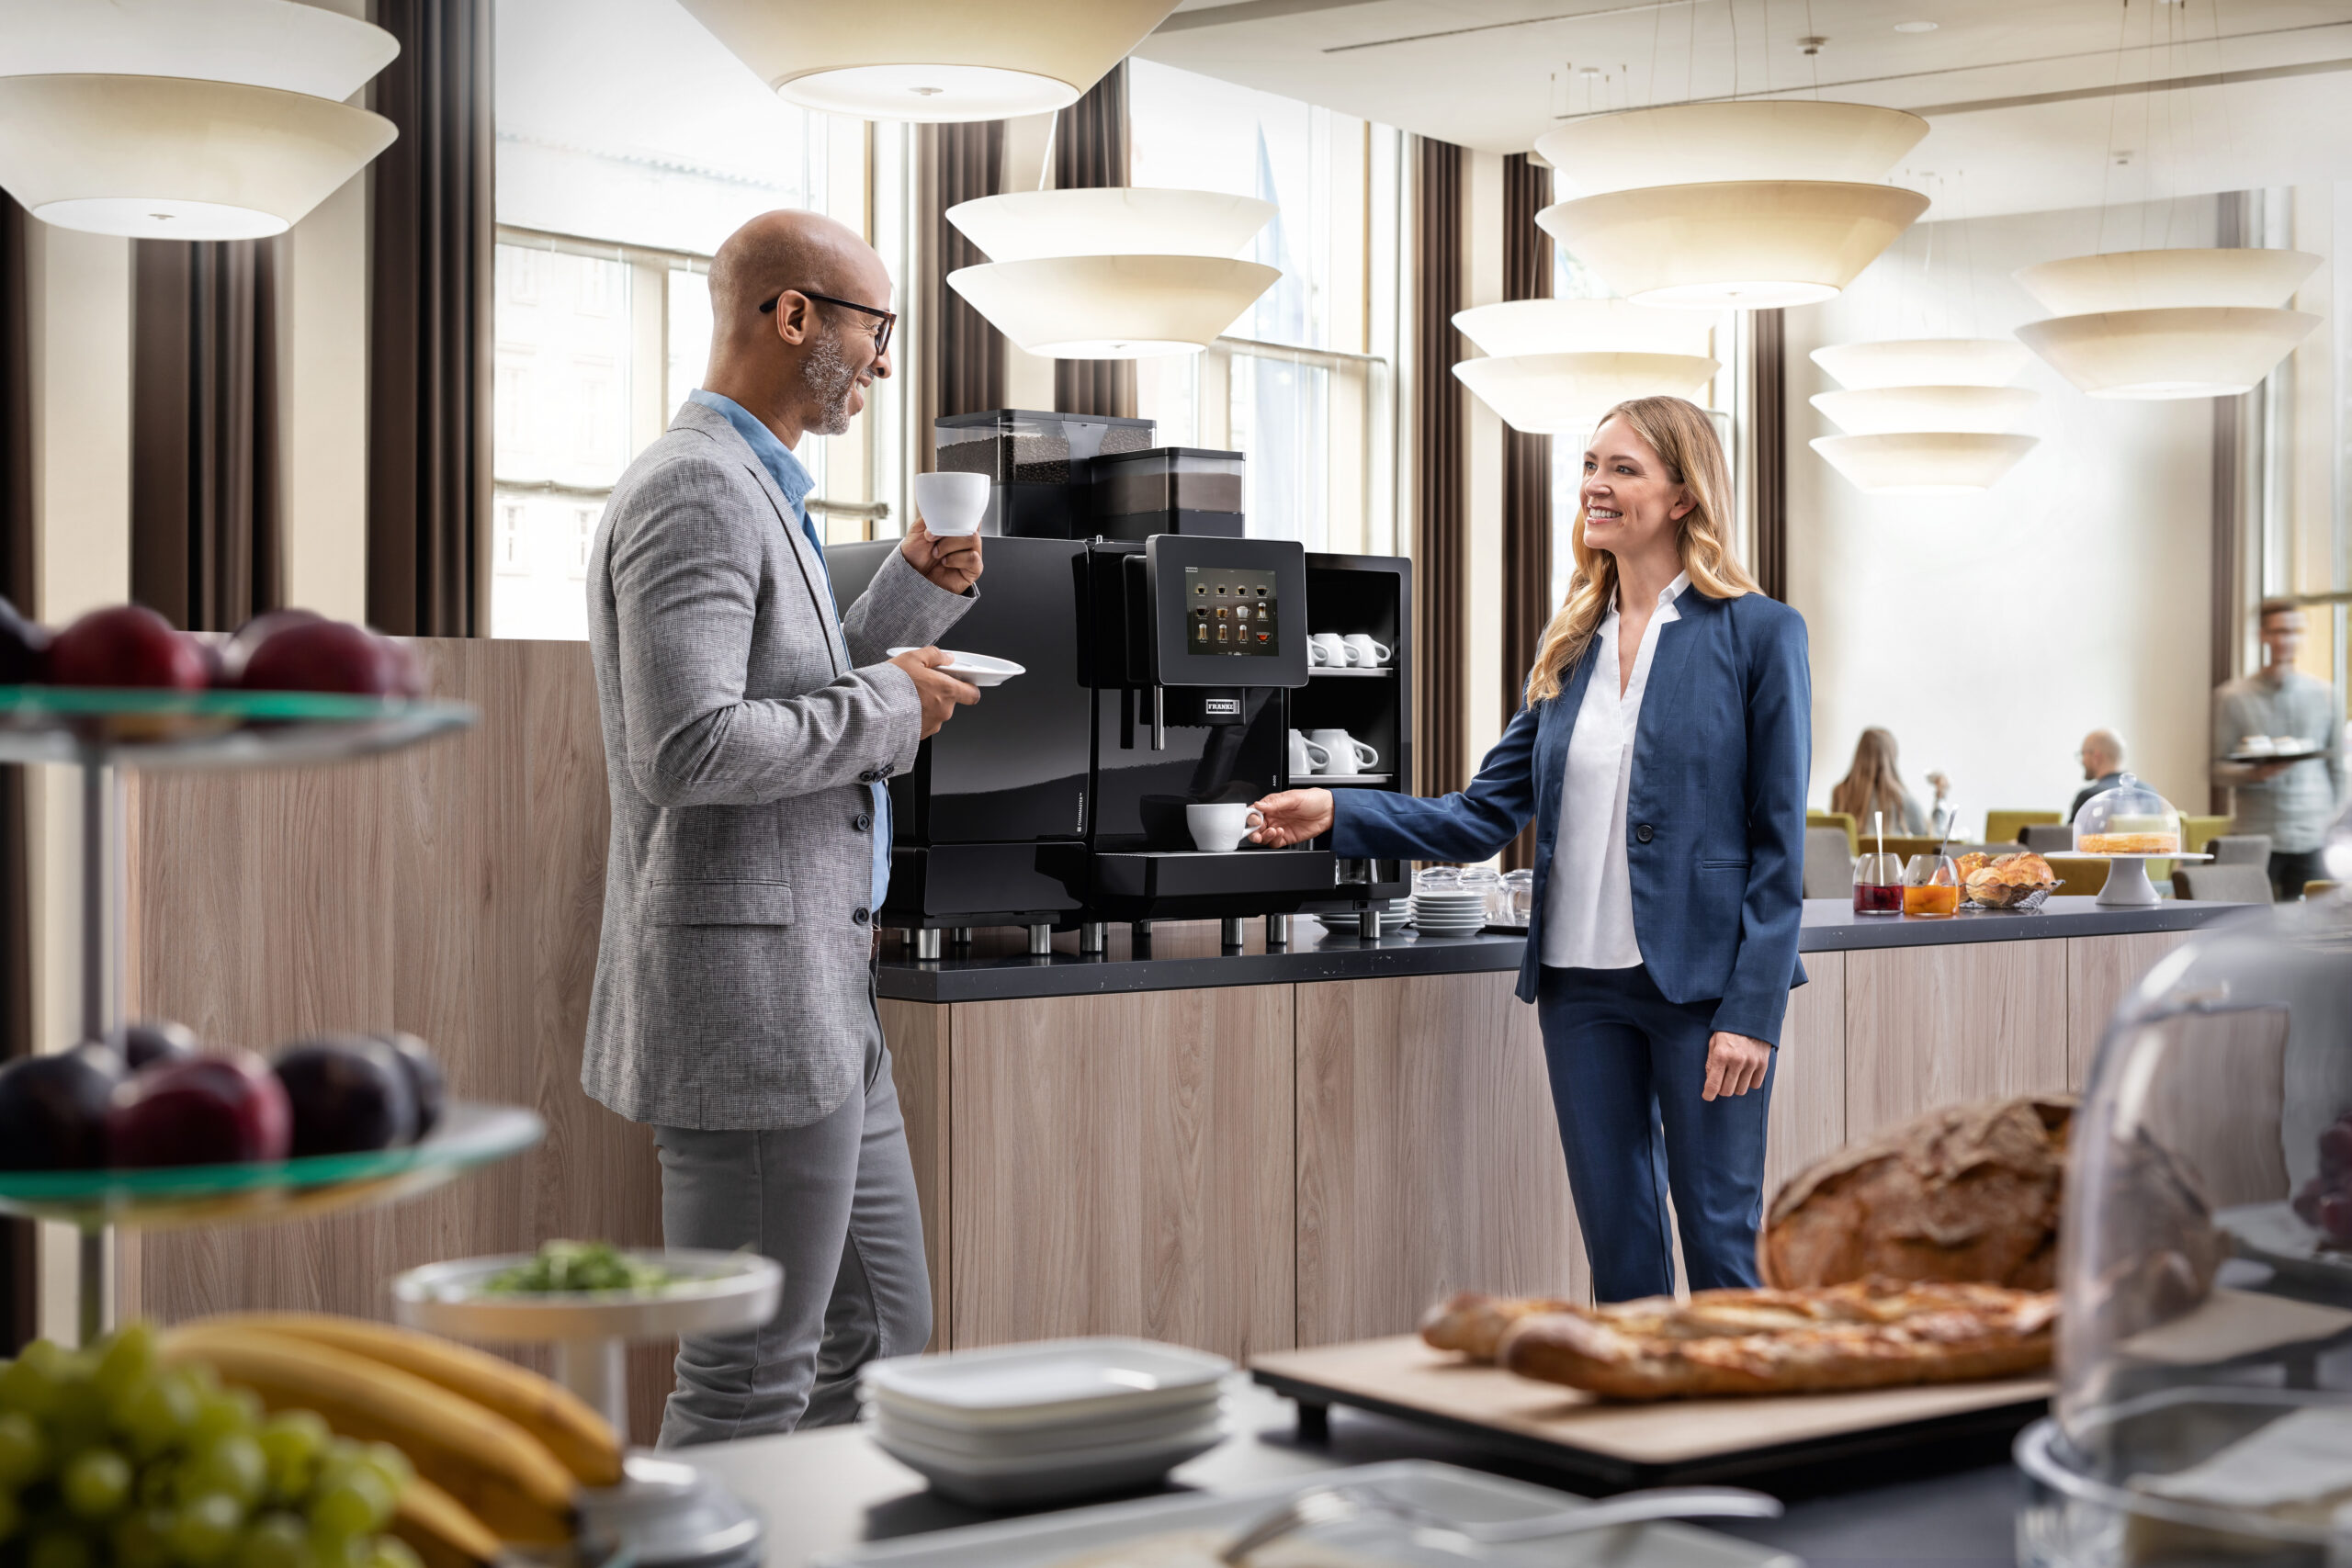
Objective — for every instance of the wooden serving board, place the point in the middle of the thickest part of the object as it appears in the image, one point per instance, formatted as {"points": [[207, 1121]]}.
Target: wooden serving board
{"points": [[1634, 1444]]}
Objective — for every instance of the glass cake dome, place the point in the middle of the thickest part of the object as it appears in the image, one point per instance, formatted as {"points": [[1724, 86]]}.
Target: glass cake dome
{"points": [[2129, 819], [2204, 1414]]}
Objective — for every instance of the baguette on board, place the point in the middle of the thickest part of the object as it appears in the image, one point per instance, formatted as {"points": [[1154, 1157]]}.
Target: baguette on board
{"points": [[1871, 1334], [1473, 1323]]}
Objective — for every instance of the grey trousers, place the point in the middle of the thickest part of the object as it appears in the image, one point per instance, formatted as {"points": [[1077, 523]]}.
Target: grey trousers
{"points": [[834, 1203]]}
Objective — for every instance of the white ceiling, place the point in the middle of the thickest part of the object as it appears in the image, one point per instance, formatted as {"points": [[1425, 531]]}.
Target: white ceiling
{"points": [[2033, 103]]}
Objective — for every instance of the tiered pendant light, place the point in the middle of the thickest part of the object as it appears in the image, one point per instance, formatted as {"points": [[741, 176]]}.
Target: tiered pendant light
{"points": [[187, 119], [1749, 206], [931, 60], [1925, 416], [1112, 274], [2170, 324], [1553, 366]]}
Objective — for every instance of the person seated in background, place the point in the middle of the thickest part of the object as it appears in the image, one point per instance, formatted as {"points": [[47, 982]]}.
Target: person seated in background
{"points": [[2101, 756], [2293, 800], [1871, 784]]}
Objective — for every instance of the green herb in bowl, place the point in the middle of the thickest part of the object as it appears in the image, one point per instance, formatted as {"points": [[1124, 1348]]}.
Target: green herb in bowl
{"points": [[579, 1266]]}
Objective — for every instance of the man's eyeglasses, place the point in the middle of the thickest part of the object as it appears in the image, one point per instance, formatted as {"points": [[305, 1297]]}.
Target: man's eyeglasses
{"points": [[889, 318]]}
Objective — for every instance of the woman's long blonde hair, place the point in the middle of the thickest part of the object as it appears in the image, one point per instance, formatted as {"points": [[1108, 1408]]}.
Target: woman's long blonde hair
{"points": [[1872, 783], [1684, 438]]}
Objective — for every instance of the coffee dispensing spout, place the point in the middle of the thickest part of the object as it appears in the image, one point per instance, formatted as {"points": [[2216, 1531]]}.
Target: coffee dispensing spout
{"points": [[1158, 718]]}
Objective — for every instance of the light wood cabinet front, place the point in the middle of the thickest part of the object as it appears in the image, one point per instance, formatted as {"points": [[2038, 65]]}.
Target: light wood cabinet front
{"points": [[1930, 1026], [1121, 1165]]}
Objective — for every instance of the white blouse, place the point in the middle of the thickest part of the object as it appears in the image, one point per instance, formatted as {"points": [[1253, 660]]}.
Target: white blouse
{"points": [[1588, 897]]}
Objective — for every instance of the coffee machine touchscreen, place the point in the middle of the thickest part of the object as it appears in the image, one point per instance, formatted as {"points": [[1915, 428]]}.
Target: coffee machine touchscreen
{"points": [[1231, 611]]}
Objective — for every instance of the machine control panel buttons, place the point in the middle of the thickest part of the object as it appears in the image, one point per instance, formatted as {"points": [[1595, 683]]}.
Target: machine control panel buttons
{"points": [[1238, 594]]}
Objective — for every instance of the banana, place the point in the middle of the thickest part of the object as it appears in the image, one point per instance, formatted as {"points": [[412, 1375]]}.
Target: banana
{"points": [[573, 1432], [439, 1527], [500, 1472]]}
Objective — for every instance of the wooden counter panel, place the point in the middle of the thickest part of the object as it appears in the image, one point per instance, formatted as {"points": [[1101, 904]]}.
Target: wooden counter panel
{"points": [[1121, 1165], [2099, 970], [1930, 1026], [1808, 1116], [918, 1033], [1429, 1160]]}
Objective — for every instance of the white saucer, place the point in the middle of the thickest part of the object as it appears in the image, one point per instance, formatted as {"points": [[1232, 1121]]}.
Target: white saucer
{"points": [[977, 668]]}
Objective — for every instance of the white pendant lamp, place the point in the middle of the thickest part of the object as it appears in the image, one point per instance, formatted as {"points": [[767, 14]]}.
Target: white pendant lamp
{"points": [[1947, 433], [1553, 366], [1749, 206], [1112, 273], [931, 60], [2169, 324], [188, 120]]}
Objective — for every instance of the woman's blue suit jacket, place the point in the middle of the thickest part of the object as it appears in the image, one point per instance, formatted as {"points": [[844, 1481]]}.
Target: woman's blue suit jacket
{"points": [[1714, 822]]}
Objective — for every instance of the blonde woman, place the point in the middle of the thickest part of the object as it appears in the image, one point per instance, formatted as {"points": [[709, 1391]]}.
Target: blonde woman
{"points": [[1873, 784], [1662, 752]]}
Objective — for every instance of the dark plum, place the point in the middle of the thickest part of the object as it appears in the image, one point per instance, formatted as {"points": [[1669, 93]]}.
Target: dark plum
{"points": [[151, 1041], [327, 656], [129, 645], [53, 1108], [425, 1077], [348, 1094], [210, 1110], [24, 647]]}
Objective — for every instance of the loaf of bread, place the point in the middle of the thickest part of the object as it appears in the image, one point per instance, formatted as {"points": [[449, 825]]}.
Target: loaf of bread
{"points": [[1970, 1192], [1473, 1322], [1873, 1334]]}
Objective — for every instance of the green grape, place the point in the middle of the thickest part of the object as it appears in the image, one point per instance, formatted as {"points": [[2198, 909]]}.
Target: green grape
{"points": [[24, 1449], [388, 1462], [12, 1515], [277, 1541], [231, 1464], [155, 1414], [391, 1552], [223, 1412], [97, 1483], [158, 1487], [128, 1358], [293, 1441], [142, 1538], [80, 1418], [205, 1529], [330, 1549], [29, 1384], [352, 1504], [60, 1549]]}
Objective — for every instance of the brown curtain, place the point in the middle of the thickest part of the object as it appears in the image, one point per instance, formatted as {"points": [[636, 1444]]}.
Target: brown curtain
{"points": [[205, 551], [1090, 151], [1527, 465], [1768, 428], [18, 1305], [1441, 513], [429, 332], [967, 354]]}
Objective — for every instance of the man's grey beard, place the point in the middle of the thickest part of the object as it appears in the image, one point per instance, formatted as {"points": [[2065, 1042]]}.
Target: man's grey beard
{"points": [[830, 380]]}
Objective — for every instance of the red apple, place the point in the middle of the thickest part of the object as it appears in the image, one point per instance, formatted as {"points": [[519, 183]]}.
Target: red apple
{"points": [[24, 647], [252, 635], [326, 656], [211, 1111], [129, 645]]}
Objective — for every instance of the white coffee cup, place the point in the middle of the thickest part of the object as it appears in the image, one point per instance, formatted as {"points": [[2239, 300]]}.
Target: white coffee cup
{"points": [[1219, 828], [1363, 652], [1306, 756], [1327, 651], [1349, 755], [951, 504]]}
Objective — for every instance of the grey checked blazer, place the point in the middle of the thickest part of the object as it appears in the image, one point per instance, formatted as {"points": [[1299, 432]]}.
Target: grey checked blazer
{"points": [[732, 982]]}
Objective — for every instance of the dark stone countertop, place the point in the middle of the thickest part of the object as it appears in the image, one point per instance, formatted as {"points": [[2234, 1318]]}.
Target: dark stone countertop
{"points": [[1186, 956]]}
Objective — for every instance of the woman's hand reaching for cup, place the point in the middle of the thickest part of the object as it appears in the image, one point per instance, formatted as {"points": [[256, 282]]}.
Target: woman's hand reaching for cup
{"points": [[1292, 817]]}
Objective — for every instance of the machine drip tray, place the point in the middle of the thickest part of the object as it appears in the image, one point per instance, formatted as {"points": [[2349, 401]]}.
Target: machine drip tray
{"points": [[1182, 873]]}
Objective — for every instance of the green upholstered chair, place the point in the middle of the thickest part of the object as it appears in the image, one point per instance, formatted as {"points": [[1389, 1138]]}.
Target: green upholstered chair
{"points": [[2196, 832], [2002, 826], [1836, 820]]}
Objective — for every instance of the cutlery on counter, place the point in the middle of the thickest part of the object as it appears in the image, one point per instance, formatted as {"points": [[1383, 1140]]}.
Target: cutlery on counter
{"points": [[1318, 1506]]}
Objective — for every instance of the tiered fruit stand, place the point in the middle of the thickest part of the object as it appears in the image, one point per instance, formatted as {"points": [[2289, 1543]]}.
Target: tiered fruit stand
{"points": [[105, 733]]}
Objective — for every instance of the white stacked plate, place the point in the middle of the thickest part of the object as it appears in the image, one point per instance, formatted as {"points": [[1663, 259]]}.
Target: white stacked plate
{"points": [[1347, 925], [1028, 1424], [1456, 913]]}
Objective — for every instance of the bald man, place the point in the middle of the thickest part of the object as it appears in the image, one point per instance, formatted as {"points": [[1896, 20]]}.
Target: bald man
{"points": [[2101, 755], [749, 724]]}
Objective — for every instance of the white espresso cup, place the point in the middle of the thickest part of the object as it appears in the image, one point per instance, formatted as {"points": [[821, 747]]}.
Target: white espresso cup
{"points": [[1219, 828], [1306, 757], [1348, 755], [1327, 651], [1363, 652], [951, 504]]}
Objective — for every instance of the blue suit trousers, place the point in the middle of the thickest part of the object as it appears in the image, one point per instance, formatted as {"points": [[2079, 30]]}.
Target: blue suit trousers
{"points": [[1627, 1068]]}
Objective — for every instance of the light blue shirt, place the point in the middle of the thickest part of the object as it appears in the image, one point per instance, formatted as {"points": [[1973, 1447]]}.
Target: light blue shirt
{"points": [[796, 483]]}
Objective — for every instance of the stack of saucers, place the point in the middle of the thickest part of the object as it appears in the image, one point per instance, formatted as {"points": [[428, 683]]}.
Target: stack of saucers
{"points": [[1348, 925], [1457, 911], [1026, 1424]]}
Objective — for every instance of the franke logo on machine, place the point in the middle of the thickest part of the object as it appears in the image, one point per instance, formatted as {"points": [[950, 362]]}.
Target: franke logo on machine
{"points": [[1221, 707]]}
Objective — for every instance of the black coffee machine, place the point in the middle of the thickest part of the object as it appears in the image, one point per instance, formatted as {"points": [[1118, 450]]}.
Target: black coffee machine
{"points": [[1167, 657]]}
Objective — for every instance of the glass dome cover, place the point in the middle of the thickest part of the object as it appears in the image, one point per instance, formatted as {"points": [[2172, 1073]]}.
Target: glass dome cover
{"points": [[2204, 1414], [2129, 819]]}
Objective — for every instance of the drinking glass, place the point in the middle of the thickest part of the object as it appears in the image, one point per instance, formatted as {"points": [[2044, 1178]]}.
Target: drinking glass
{"points": [[1437, 879], [1878, 885], [1931, 886], [1517, 897]]}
